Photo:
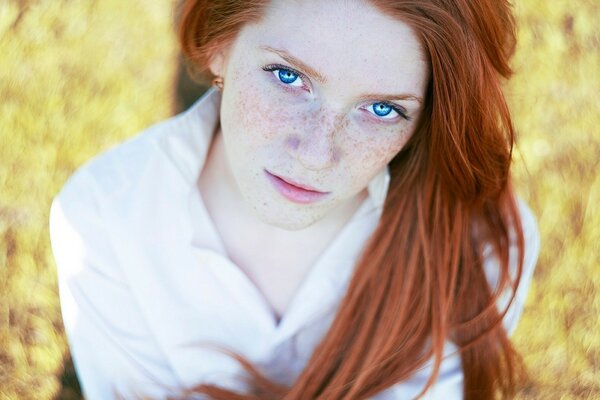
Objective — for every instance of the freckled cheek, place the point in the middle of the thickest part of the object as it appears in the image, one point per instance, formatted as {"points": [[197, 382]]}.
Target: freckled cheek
{"points": [[388, 149], [263, 114], [365, 153]]}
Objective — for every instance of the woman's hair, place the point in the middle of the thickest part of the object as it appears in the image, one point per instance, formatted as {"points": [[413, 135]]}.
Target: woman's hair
{"points": [[420, 280]]}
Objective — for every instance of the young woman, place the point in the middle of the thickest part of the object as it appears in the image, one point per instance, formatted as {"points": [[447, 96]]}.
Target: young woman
{"points": [[334, 219]]}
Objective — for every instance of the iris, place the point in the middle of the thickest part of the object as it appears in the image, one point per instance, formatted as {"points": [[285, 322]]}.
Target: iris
{"points": [[382, 109], [287, 76]]}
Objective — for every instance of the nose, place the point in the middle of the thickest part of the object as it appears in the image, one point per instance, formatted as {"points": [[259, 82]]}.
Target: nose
{"points": [[315, 148]]}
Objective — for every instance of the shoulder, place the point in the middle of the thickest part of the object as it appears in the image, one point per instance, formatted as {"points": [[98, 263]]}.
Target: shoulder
{"points": [[531, 232], [144, 178], [118, 167], [531, 241], [110, 181], [531, 251], [109, 200], [526, 217], [529, 255], [171, 149]]}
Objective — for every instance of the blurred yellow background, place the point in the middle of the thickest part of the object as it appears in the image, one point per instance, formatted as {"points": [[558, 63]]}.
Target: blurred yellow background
{"points": [[78, 77]]}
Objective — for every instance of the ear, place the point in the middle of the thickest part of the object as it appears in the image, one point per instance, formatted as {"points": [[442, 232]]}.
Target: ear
{"points": [[217, 64]]}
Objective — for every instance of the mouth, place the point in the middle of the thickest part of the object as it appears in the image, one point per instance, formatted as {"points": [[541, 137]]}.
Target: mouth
{"points": [[294, 191]]}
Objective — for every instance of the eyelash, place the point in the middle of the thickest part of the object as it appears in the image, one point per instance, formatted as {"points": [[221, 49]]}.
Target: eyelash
{"points": [[274, 67]]}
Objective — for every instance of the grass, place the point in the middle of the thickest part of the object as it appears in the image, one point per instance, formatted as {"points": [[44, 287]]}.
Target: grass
{"points": [[77, 77], [554, 97]]}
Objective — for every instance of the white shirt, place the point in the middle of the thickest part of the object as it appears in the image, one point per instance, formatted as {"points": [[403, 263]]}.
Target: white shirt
{"points": [[144, 277]]}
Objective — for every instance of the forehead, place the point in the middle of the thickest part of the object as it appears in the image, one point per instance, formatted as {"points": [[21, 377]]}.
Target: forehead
{"points": [[345, 39]]}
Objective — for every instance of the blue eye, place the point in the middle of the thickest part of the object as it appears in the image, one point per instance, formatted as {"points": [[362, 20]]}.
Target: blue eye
{"points": [[382, 109], [287, 76], [386, 110]]}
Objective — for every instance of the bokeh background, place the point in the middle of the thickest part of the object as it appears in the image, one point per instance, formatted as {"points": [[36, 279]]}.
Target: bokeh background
{"points": [[79, 76]]}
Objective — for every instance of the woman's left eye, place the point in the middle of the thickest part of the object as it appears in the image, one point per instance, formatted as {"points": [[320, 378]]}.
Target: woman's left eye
{"points": [[285, 75], [386, 111]]}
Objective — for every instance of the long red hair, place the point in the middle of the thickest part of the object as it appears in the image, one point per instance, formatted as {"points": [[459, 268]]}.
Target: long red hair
{"points": [[449, 196]]}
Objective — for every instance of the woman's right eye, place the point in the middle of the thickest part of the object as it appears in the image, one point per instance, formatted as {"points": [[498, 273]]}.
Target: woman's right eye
{"points": [[286, 76]]}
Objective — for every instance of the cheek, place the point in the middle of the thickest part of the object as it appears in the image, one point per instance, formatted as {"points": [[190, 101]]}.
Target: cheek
{"points": [[373, 149], [261, 110]]}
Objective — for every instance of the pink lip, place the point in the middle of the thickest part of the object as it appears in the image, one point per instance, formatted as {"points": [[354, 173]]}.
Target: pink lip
{"points": [[294, 191]]}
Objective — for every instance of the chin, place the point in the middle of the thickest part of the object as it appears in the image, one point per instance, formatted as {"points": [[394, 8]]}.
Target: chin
{"points": [[290, 220]]}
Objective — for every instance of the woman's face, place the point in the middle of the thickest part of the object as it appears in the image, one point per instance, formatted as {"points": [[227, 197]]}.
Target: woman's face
{"points": [[321, 94]]}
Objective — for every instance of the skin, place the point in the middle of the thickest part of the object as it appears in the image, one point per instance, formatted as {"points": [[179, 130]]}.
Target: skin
{"points": [[320, 130]]}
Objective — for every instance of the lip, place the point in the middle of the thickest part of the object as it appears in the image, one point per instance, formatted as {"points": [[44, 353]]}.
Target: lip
{"points": [[293, 191]]}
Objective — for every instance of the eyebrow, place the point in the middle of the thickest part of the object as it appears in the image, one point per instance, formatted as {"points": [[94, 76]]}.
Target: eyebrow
{"points": [[293, 60], [321, 78]]}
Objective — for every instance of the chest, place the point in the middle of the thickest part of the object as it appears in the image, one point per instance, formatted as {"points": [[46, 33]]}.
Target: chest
{"points": [[277, 271]]}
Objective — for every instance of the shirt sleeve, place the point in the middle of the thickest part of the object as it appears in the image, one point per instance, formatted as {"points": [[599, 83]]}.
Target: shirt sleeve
{"points": [[113, 352]]}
